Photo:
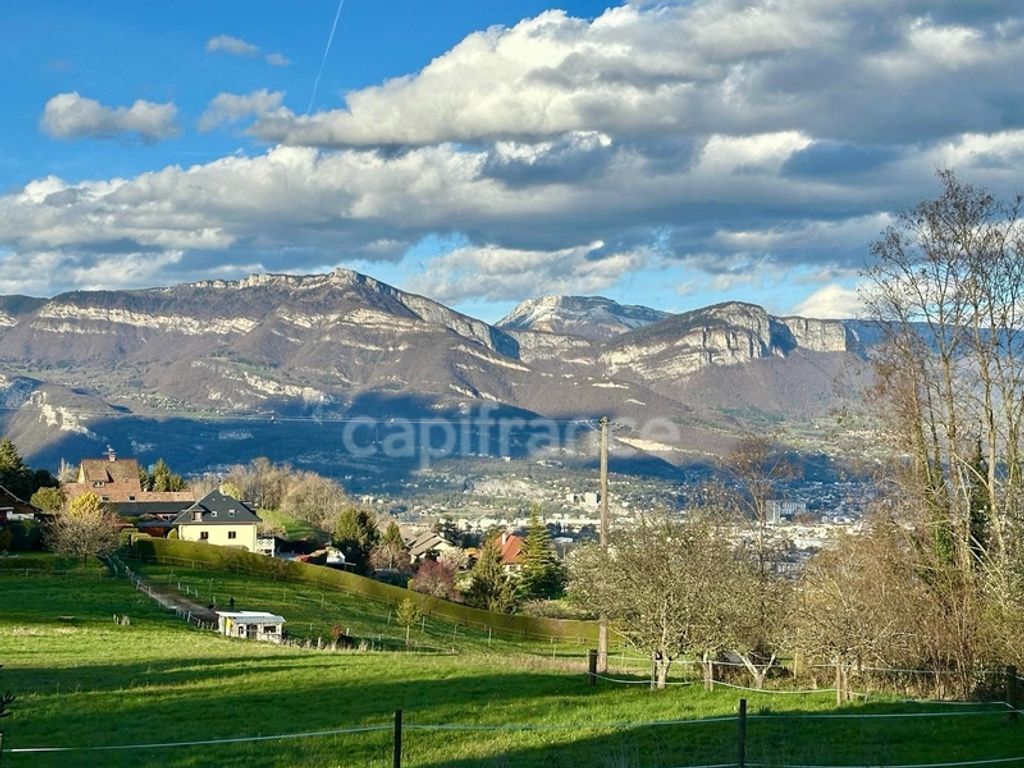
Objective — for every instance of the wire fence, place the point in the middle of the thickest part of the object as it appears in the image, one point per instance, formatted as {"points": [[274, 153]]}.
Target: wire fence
{"points": [[400, 727]]}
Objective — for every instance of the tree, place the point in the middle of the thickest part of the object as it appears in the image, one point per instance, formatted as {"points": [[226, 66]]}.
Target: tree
{"points": [[437, 578], [491, 588], [862, 604], [946, 291], [16, 476], [669, 586], [86, 528], [408, 613], [391, 553], [48, 499], [757, 469], [542, 576], [314, 499], [356, 534], [162, 480]]}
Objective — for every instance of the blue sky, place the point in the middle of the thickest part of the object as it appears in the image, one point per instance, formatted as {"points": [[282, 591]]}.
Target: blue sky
{"points": [[663, 153]]}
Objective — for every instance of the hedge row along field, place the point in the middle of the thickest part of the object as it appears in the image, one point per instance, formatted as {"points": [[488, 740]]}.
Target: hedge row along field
{"points": [[171, 552]]}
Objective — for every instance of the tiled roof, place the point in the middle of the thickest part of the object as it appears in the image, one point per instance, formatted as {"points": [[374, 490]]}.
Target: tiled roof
{"points": [[216, 508]]}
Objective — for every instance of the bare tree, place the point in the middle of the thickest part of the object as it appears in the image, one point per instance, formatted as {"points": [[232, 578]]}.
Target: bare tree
{"points": [[669, 587], [314, 499], [85, 528], [756, 469], [947, 292]]}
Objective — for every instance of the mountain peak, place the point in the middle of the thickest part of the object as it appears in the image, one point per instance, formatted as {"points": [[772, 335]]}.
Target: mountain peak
{"points": [[592, 317]]}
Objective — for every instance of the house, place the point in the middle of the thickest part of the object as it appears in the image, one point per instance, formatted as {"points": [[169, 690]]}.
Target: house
{"points": [[12, 508], [251, 625], [429, 545], [116, 481], [511, 548], [219, 519]]}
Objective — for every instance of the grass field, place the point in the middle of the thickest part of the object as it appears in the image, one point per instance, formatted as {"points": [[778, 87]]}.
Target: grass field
{"points": [[82, 680]]}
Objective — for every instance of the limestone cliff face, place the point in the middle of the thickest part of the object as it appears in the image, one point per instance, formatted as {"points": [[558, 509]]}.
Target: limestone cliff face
{"points": [[821, 335], [733, 333]]}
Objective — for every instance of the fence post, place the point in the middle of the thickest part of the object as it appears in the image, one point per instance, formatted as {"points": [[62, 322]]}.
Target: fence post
{"points": [[1011, 691], [1, 747], [398, 738], [839, 684], [742, 734], [592, 667]]}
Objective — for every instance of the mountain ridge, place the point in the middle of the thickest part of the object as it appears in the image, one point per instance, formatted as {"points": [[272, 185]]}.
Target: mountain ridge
{"points": [[345, 345]]}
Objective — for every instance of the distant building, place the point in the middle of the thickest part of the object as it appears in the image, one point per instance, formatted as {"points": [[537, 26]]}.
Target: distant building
{"points": [[778, 510], [511, 552], [219, 519], [13, 508], [117, 482], [429, 545], [251, 625]]}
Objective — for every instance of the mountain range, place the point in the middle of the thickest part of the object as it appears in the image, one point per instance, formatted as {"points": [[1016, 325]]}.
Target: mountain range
{"points": [[215, 372]]}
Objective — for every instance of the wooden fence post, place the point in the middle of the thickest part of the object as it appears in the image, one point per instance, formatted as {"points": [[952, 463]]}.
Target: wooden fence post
{"points": [[742, 734], [592, 666], [398, 738], [1011, 691]]}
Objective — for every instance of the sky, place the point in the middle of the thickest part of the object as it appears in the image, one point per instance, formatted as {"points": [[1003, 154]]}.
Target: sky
{"points": [[671, 154]]}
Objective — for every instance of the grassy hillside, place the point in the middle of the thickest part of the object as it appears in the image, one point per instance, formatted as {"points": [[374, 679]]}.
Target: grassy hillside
{"points": [[186, 554], [82, 680]]}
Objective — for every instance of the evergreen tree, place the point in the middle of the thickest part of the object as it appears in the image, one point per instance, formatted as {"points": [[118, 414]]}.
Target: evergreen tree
{"points": [[16, 477], [391, 552], [542, 576], [163, 480], [356, 534], [491, 588]]}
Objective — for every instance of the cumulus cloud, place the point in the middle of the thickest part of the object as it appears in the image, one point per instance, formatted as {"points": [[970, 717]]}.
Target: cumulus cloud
{"points": [[831, 69], [743, 141], [72, 116], [236, 46], [501, 274], [229, 108], [831, 301]]}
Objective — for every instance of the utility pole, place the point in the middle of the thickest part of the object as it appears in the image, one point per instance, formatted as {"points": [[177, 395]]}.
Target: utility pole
{"points": [[602, 630]]}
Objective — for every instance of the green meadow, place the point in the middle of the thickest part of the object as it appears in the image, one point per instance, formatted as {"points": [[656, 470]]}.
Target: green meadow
{"points": [[83, 681]]}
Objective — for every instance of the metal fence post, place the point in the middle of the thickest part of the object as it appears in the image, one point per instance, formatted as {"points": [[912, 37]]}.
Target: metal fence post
{"points": [[1011, 691], [742, 734], [398, 738]]}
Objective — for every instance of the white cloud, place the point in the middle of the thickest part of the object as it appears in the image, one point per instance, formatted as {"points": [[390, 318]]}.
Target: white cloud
{"points": [[832, 301], [229, 107], [500, 274], [746, 140], [236, 46], [72, 116], [711, 66]]}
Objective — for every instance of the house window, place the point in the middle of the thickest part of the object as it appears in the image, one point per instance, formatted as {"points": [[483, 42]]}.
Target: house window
{"points": [[131, 498], [231, 513], [204, 535], [232, 534], [213, 513]]}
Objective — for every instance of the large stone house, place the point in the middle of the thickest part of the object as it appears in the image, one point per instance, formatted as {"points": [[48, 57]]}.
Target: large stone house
{"points": [[219, 519], [117, 482]]}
